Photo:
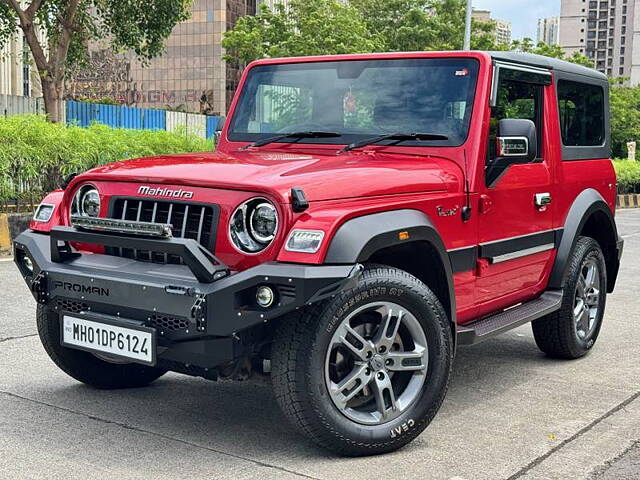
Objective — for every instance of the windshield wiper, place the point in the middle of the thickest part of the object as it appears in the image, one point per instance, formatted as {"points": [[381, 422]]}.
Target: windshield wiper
{"points": [[398, 137], [295, 135]]}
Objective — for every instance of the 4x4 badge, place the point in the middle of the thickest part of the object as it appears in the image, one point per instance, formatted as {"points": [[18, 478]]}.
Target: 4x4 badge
{"points": [[447, 212]]}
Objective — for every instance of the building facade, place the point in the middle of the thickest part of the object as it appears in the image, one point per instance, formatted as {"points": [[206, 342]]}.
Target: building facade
{"points": [[606, 31], [191, 76], [502, 27], [18, 75], [549, 30]]}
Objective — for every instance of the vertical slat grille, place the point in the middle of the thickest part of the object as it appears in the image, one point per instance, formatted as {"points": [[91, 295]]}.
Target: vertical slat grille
{"points": [[188, 220]]}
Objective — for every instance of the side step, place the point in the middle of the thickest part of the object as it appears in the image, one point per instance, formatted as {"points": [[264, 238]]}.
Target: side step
{"points": [[489, 327]]}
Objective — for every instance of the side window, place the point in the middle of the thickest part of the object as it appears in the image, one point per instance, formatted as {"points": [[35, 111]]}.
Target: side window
{"points": [[581, 114], [517, 100]]}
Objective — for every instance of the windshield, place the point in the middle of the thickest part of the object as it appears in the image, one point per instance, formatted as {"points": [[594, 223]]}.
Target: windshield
{"points": [[358, 100]]}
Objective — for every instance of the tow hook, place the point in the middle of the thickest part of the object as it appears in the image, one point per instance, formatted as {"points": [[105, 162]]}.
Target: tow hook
{"points": [[39, 288], [199, 313]]}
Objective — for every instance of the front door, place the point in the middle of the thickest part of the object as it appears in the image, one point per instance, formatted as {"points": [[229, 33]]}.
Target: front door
{"points": [[515, 231]]}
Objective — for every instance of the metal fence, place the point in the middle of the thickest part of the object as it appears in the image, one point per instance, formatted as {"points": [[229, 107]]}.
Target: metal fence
{"points": [[12, 105], [84, 114]]}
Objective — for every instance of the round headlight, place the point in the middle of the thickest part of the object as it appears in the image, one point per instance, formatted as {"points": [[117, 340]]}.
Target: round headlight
{"points": [[253, 225], [264, 222], [86, 203]]}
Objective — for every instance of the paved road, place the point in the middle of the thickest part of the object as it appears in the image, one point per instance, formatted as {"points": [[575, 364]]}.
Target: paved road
{"points": [[510, 413]]}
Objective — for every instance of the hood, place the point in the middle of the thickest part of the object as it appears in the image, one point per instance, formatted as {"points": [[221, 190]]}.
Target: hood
{"points": [[321, 176]]}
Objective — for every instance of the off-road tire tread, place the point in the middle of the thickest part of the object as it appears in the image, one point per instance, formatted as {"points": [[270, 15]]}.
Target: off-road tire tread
{"points": [[85, 367], [553, 333], [288, 382]]}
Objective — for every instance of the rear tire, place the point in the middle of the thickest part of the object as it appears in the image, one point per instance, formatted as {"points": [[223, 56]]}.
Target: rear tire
{"points": [[572, 331], [399, 381], [84, 366]]}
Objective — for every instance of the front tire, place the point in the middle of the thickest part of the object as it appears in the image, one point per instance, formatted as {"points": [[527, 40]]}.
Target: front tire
{"points": [[86, 367], [572, 331], [365, 372]]}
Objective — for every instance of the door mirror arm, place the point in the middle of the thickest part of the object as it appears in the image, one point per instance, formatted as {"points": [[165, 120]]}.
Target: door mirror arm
{"points": [[516, 143]]}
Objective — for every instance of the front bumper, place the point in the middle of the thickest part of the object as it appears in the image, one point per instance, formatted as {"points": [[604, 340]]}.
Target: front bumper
{"points": [[203, 314]]}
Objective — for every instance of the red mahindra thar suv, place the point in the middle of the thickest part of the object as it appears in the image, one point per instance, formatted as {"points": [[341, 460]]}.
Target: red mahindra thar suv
{"points": [[363, 216]]}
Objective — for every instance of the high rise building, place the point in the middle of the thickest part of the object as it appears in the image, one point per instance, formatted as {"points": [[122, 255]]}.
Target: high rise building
{"points": [[191, 75], [549, 30], [502, 27], [605, 31]]}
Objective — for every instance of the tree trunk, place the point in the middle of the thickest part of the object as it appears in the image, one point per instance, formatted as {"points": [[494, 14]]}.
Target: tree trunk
{"points": [[53, 104]]}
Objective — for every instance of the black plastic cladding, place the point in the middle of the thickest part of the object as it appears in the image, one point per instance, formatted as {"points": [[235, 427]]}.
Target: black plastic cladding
{"points": [[585, 204], [357, 239]]}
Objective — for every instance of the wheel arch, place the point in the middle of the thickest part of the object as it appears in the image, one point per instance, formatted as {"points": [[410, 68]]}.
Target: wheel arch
{"points": [[589, 216], [406, 239]]}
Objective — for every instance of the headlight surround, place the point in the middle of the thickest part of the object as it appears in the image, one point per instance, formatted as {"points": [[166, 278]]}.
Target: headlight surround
{"points": [[86, 202], [253, 225]]}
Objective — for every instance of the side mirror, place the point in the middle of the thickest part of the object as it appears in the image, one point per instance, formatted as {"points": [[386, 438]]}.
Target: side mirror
{"points": [[219, 127], [517, 141]]}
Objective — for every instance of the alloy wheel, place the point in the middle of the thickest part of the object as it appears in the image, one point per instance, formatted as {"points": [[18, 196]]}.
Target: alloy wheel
{"points": [[376, 363], [587, 299]]}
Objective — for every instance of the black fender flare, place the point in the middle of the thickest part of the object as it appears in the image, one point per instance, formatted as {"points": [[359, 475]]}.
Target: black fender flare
{"points": [[359, 238], [586, 204]]}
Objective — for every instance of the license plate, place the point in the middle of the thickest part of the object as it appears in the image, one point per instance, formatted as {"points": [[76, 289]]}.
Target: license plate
{"points": [[135, 344]]}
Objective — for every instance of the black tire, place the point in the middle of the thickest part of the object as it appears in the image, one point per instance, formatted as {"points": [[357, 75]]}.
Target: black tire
{"points": [[298, 365], [556, 334], [84, 366]]}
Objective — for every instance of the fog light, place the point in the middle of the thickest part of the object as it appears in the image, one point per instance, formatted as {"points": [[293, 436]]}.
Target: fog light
{"points": [[265, 296], [28, 264]]}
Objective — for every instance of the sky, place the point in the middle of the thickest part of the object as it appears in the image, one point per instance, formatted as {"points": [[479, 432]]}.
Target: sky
{"points": [[523, 14]]}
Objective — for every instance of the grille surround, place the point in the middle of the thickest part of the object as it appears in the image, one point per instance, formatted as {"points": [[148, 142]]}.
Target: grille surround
{"points": [[194, 220]]}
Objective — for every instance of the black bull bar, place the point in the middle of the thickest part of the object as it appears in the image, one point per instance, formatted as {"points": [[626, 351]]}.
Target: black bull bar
{"points": [[213, 300]]}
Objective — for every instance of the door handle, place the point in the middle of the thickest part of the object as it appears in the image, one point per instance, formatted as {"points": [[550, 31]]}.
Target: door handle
{"points": [[542, 199]]}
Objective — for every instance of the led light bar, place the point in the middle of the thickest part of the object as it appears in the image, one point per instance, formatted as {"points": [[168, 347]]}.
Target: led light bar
{"points": [[123, 226]]}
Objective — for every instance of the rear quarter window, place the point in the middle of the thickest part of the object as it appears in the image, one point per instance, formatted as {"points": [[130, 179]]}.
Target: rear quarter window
{"points": [[582, 114]]}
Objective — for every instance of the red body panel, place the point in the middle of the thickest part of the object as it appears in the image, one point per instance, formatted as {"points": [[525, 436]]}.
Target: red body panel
{"points": [[375, 179]]}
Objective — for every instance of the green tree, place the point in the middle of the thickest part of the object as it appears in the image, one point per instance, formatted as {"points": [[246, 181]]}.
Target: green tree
{"points": [[58, 31], [625, 116], [317, 27], [419, 25], [303, 27], [555, 51]]}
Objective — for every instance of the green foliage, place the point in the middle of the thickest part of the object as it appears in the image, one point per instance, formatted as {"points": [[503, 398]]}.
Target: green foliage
{"points": [[526, 45], [36, 155], [8, 23], [323, 27], [420, 25], [625, 116], [628, 176], [124, 22], [303, 27]]}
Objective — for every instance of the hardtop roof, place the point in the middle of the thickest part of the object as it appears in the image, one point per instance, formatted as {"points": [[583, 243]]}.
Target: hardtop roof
{"points": [[547, 62]]}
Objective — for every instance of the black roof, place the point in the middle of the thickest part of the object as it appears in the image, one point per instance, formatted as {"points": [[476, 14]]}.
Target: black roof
{"points": [[547, 62]]}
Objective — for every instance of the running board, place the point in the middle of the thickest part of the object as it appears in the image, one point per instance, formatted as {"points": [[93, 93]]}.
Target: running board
{"points": [[489, 327]]}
